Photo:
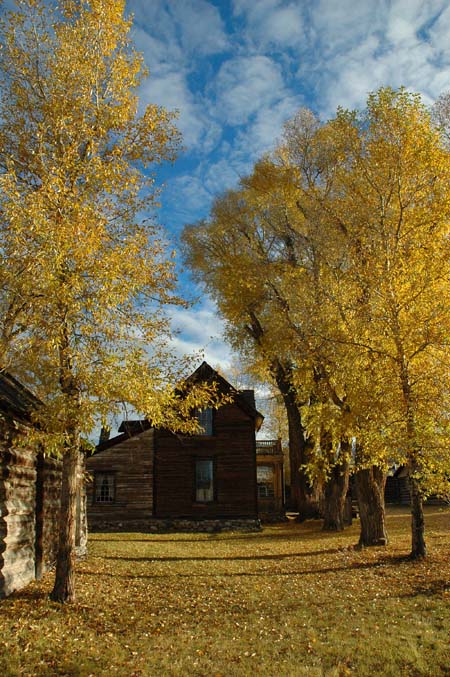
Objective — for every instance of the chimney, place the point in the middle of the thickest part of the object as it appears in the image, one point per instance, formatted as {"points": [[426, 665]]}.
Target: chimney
{"points": [[104, 434]]}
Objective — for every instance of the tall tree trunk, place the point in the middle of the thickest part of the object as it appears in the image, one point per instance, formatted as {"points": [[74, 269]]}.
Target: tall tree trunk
{"points": [[369, 484], [64, 587], [418, 546], [302, 496], [335, 495]]}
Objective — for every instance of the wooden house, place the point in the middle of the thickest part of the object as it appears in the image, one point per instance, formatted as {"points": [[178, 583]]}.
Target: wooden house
{"points": [[270, 479], [147, 479], [30, 485]]}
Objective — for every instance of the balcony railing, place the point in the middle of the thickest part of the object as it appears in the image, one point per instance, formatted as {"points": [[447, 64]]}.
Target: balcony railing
{"points": [[268, 447]]}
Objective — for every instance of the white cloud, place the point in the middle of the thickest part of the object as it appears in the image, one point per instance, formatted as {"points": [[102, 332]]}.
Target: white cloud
{"points": [[195, 26], [265, 131], [224, 174], [171, 91], [172, 35], [201, 331], [368, 46], [340, 24], [439, 34], [271, 22], [200, 25], [244, 85]]}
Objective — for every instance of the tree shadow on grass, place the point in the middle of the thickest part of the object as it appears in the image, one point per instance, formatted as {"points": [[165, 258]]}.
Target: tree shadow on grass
{"points": [[230, 558], [288, 533], [26, 595], [237, 574], [438, 587]]}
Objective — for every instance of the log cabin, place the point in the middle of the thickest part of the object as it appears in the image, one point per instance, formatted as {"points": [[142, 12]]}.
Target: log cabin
{"points": [[30, 486], [150, 479]]}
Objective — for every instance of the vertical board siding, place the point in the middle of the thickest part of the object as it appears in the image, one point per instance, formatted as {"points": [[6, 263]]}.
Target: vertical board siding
{"points": [[232, 446]]}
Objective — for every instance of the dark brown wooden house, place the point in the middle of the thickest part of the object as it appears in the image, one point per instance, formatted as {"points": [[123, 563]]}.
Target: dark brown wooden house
{"points": [[30, 485], [148, 478]]}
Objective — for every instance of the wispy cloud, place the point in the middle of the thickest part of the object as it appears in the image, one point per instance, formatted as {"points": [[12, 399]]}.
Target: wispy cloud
{"points": [[237, 71], [244, 85], [201, 332], [187, 28], [271, 22]]}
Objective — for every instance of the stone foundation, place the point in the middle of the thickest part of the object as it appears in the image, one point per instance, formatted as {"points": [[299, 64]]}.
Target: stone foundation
{"points": [[170, 526]]}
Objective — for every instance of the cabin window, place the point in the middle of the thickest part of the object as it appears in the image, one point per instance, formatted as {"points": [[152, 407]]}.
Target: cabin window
{"points": [[204, 480], [265, 479], [205, 420], [104, 487]]}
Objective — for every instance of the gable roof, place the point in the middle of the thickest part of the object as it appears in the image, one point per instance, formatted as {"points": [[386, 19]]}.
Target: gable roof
{"points": [[15, 399], [245, 399]]}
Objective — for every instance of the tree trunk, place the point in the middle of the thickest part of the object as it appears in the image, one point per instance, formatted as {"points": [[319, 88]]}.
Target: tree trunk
{"points": [[64, 586], [369, 484], [64, 589], [418, 546], [334, 497], [302, 495]]}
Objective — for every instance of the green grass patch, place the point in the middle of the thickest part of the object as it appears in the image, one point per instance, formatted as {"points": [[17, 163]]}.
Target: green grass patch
{"points": [[291, 600]]}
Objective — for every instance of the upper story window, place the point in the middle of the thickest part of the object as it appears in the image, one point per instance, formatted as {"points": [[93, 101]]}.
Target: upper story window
{"points": [[104, 488], [205, 420]]}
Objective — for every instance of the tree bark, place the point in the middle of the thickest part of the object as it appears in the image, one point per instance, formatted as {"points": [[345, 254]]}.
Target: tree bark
{"points": [[334, 497], [418, 546], [302, 496], [64, 588], [369, 484]]}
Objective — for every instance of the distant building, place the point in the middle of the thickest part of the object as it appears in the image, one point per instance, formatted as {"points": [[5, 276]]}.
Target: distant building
{"points": [[270, 479], [150, 479]]}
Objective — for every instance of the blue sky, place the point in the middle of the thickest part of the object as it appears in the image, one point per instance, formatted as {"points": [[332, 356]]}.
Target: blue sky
{"points": [[237, 70]]}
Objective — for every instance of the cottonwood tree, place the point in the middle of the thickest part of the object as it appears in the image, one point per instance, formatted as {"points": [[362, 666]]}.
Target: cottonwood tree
{"points": [[84, 278], [392, 203], [234, 255], [312, 154]]}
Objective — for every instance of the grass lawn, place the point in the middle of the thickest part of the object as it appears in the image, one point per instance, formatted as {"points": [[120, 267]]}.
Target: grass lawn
{"points": [[290, 600]]}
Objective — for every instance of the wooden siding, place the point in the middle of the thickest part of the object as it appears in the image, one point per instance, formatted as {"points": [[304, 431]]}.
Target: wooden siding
{"points": [[131, 462], [232, 447], [269, 453]]}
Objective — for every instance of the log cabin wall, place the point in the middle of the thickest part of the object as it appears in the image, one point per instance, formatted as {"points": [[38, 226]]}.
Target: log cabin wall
{"points": [[130, 463], [30, 486], [232, 449], [17, 516]]}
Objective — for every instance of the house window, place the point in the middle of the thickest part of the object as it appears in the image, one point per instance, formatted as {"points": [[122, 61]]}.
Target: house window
{"points": [[204, 480], [104, 488], [205, 420], [265, 479]]}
